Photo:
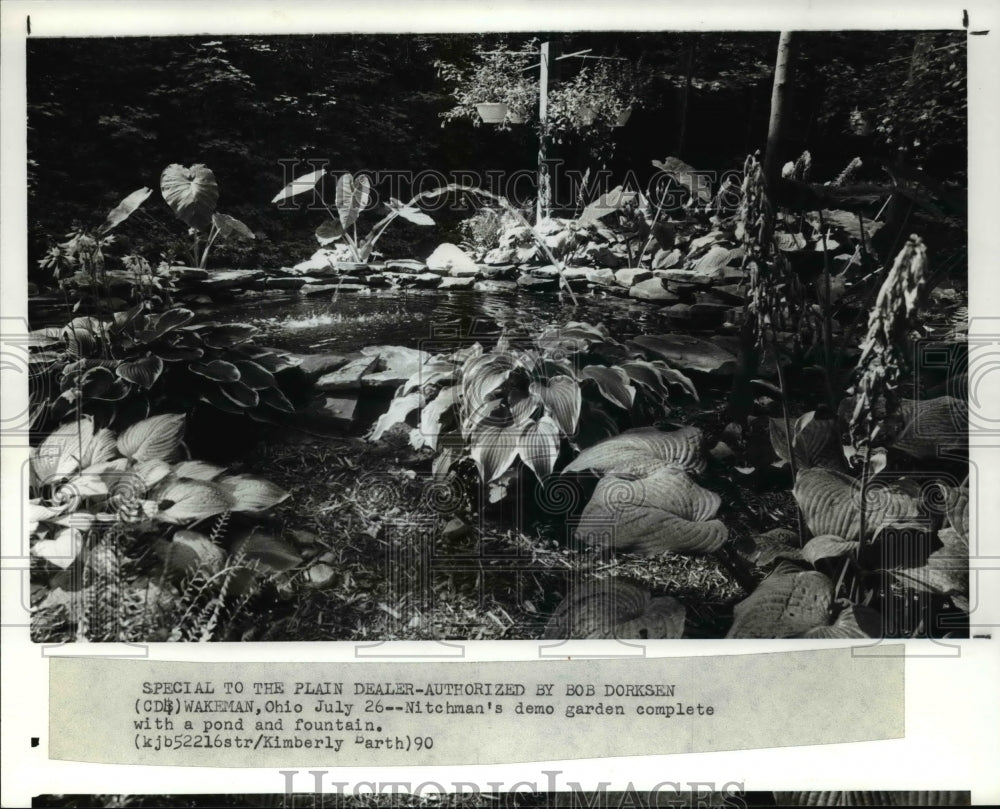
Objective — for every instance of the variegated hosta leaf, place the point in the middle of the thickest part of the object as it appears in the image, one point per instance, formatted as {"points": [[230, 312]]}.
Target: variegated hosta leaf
{"points": [[788, 602], [827, 546], [664, 511], [872, 798], [830, 503], [494, 450], [71, 447], [562, 399], [185, 500], [62, 549], [143, 372], [216, 370], [434, 372], [932, 424], [197, 470], [815, 442], [157, 437], [613, 383], [191, 193], [250, 493], [615, 608], [539, 446], [399, 410], [481, 377], [637, 451]]}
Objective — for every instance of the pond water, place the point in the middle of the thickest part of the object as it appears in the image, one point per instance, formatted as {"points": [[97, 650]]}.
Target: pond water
{"points": [[415, 318]]}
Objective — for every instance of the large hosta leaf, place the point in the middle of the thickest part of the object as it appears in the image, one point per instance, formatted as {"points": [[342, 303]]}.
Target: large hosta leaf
{"points": [[613, 383], [854, 621], [691, 353], [930, 425], [664, 511], [353, 194], [143, 371], [216, 370], [644, 448], [827, 546], [73, 446], [153, 438], [189, 552], [562, 399], [250, 493], [615, 608], [830, 502], [62, 549], [185, 500], [494, 449], [788, 602], [947, 569], [191, 193], [539, 446], [815, 442], [426, 435]]}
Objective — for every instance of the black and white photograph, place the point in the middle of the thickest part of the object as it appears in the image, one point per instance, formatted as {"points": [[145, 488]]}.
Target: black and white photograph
{"points": [[552, 401], [500, 336]]}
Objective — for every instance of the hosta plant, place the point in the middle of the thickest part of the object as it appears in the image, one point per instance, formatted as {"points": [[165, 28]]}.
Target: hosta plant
{"points": [[527, 406], [120, 369], [192, 194], [84, 477]]}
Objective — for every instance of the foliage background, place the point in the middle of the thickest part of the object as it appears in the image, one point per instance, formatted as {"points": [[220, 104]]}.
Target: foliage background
{"points": [[106, 115]]}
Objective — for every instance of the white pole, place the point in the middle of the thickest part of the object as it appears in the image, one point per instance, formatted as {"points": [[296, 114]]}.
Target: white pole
{"points": [[542, 207]]}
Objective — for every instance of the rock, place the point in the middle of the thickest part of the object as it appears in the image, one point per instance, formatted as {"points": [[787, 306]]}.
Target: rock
{"points": [[602, 256], [632, 275], [548, 271], [393, 366], [284, 282], [449, 259], [501, 272], [458, 283], [576, 277], [427, 280], [348, 377], [345, 268], [187, 273], [689, 353], [319, 262], [330, 413], [198, 300], [602, 276], [406, 266], [343, 289], [532, 284], [319, 575], [311, 290], [231, 279], [652, 289], [454, 529], [316, 365], [377, 280], [494, 286], [501, 255]]}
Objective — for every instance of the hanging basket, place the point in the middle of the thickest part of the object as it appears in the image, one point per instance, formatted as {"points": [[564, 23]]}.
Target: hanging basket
{"points": [[492, 113], [515, 117], [587, 115]]}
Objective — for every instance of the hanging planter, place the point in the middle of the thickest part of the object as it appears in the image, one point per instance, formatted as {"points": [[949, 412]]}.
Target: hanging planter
{"points": [[515, 117], [587, 116], [492, 113]]}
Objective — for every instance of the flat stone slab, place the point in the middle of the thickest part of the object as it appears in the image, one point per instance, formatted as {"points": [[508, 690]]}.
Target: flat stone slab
{"points": [[630, 276], [490, 285], [316, 365], [231, 279], [347, 378], [652, 289], [533, 284], [452, 284], [393, 365]]}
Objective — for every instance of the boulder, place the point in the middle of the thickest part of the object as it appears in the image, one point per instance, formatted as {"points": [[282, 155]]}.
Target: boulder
{"points": [[450, 259], [457, 283], [330, 413], [667, 259], [500, 272], [426, 280], [632, 275], [316, 365], [406, 266], [393, 365], [602, 256], [652, 289], [500, 256], [602, 276], [548, 271], [347, 377], [533, 284]]}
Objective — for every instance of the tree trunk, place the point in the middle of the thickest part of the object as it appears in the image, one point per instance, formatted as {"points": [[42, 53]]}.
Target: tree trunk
{"points": [[783, 71], [686, 97]]}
